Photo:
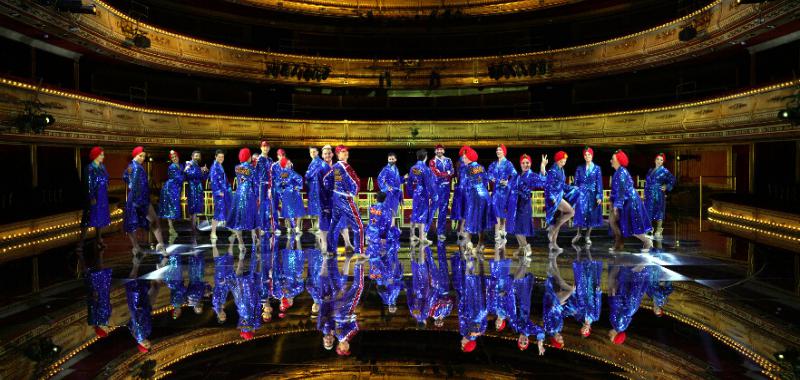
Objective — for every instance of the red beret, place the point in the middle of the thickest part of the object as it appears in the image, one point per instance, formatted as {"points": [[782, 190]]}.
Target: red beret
{"points": [[244, 154], [503, 147], [137, 151], [174, 153], [142, 348], [587, 333], [471, 154], [555, 343], [439, 146], [284, 162], [264, 143], [560, 155], [95, 152], [341, 148], [588, 149], [469, 346], [620, 338], [622, 158], [662, 155], [524, 157]]}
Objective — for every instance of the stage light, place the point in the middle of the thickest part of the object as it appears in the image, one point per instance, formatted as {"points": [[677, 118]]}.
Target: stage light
{"points": [[75, 6], [791, 114], [687, 33]]}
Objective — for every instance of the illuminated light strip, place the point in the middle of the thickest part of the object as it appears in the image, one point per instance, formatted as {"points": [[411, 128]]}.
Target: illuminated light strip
{"points": [[51, 238], [117, 212], [711, 210], [754, 229], [126, 107]]}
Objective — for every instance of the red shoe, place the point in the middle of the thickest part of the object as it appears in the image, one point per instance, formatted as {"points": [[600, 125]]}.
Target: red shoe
{"points": [[142, 348], [246, 335], [502, 326], [285, 304], [101, 333]]}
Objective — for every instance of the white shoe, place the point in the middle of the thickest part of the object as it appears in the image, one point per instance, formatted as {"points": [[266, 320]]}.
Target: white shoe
{"points": [[442, 237], [555, 248], [647, 246], [297, 230], [160, 248], [426, 242], [527, 250], [576, 239], [213, 236], [588, 241], [414, 240], [277, 232]]}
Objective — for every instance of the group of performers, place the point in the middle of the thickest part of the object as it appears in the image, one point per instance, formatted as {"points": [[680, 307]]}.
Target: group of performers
{"points": [[268, 190]]}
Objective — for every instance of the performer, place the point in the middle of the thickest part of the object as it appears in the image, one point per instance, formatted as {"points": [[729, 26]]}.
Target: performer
{"points": [[139, 213], [472, 311], [169, 204], [499, 294], [383, 244], [96, 213], [380, 215], [274, 171], [556, 194], [390, 183], [457, 209], [326, 199], [224, 280], [520, 319], [443, 171], [221, 191], [243, 211], [555, 306], [98, 283], [195, 192], [588, 295], [197, 287], [501, 172], [263, 182], [141, 323], [521, 218], [316, 169], [659, 181], [589, 198], [343, 181], [344, 308], [627, 286], [440, 300], [289, 184], [173, 277], [420, 182], [476, 200], [246, 297], [418, 289], [629, 215]]}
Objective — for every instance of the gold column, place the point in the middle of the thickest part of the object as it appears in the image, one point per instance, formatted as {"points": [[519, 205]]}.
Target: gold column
{"points": [[34, 166]]}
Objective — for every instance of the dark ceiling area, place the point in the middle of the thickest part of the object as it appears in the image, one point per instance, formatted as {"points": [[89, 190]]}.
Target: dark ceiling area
{"points": [[427, 36]]}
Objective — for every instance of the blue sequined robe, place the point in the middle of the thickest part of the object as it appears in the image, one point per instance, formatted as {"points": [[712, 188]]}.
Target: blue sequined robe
{"points": [[472, 311], [520, 222], [555, 190], [141, 323], [243, 211], [262, 185], [289, 184], [501, 170], [443, 171], [221, 191], [520, 321], [195, 192], [589, 184], [98, 301], [655, 198], [440, 300], [553, 312], [499, 295], [390, 183], [587, 298], [418, 290], [173, 277], [633, 217], [630, 289], [422, 186], [224, 280], [476, 200], [457, 209], [316, 170], [247, 299], [169, 204], [96, 212], [380, 221], [137, 204]]}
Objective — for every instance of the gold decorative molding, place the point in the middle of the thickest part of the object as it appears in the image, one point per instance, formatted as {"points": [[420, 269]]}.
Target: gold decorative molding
{"points": [[113, 123], [107, 31], [770, 227]]}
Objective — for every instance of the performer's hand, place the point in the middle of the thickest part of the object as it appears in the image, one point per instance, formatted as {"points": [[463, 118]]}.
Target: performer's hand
{"points": [[599, 201], [544, 159], [663, 187], [540, 344]]}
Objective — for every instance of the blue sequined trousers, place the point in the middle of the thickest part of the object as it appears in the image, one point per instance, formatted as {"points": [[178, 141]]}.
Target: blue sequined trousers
{"points": [[137, 204], [98, 302], [96, 212], [633, 217], [262, 186], [501, 170], [169, 204], [442, 174], [654, 198], [589, 185], [243, 210], [141, 323]]}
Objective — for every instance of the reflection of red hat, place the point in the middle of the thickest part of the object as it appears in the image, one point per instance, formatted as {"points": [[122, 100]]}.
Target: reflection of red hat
{"points": [[284, 162], [503, 147], [439, 146], [622, 158], [587, 333], [100, 332], [662, 155], [264, 143], [137, 151], [555, 343], [560, 155], [472, 155], [244, 155], [340, 148], [246, 335], [342, 352], [469, 346], [174, 153], [95, 152], [281, 152], [521, 347], [142, 348], [588, 149], [620, 338], [524, 157]]}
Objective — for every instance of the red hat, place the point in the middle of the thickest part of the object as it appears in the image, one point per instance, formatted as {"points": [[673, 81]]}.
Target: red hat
{"points": [[246, 335], [142, 348], [284, 161], [555, 343], [472, 155], [622, 158], [587, 333], [264, 143], [588, 149], [340, 148], [469, 346], [438, 146], [244, 154], [503, 147], [95, 152], [174, 153], [462, 150], [137, 151], [342, 352], [662, 155], [560, 155], [524, 157], [620, 338]]}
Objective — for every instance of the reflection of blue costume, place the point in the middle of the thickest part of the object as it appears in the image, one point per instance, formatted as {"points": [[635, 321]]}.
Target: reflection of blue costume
{"points": [[589, 182], [271, 268], [471, 307], [588, 296], [553, 312], [388, 268], [630, 290], [442, 169], [440, 301], [288, 184], [343, 181], [274, 172], [476, 200], [96, 213], [316, 170], [169, 205], [263, 185], [520, 320], [246, 297], [499, 295], [520, 221], [137, 205], [421, 184], [243, 211], [498, 171], [555, 190], [98, 282], [325, 200], [195, 194], [457, 209], [290, 278], [657, 289], [389, 182], [173, 277], [221, 191], [224, 281], [418, 291], [141, 323], [344, 306], [325, 285], [633, 218], [654, 197], [197, 284], [380, 221]]}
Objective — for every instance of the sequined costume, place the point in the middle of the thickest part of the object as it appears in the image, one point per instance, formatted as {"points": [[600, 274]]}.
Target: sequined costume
{"points": [[268, 277], [380, 221], [345, 303], [262, 186], [418, 291], [221, 191], [499, 171], [137, 204], [96, 212], [169, 205], [587, 298], [196, 289], [313, 282], [316, 170], [655, 198], [472, 311], [325, 200], [589, 185], [98, 302], [141, 323], [553, 312], [243, 210], [630, 289], [633, 217], [443, 171], [224, 281], [520, 221], [195, 192], [246, 297], [390, 183], [326, 285], [499, 291], [343, 181], [291, 275], [288, 185], [440, 302], [520, 321], [555, 189], [657, 289], [457, 268], [476, 200], [457, 209], [422, 186], [274, 172], [173, 277]]}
